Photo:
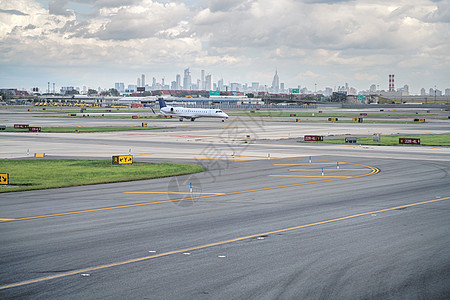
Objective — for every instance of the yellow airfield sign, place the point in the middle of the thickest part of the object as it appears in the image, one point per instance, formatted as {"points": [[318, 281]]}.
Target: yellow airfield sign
{"points": [[122, 159], [4, 178]]}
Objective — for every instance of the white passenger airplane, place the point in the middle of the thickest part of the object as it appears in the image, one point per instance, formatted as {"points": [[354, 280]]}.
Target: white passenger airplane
{"points": [[190, 113]]}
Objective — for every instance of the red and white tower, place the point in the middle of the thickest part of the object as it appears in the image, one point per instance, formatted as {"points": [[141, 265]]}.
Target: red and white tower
{"points": [[391, 83]]}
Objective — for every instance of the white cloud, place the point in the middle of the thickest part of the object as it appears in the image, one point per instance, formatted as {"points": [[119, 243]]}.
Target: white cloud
{"points": [[310, 38]]}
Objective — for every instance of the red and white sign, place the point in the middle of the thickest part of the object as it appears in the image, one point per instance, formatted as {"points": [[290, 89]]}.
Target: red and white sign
{"points": [[409, 141], [312, 138]]}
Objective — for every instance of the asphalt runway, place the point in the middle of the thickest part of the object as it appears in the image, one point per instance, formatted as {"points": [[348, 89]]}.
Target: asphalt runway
{"points": [[354, 223]]}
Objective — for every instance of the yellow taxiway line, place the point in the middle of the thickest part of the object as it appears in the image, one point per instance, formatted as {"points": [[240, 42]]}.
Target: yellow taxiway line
{"points": [[142, 154], [202, 195], [144, 258]]}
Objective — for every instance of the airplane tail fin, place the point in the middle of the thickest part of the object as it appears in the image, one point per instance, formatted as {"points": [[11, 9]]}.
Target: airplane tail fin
{"points": [[162, 103]]}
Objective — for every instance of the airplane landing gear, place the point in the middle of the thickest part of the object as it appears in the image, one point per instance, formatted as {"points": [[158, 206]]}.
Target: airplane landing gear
{"points": [[192, 119], [181, 119]]}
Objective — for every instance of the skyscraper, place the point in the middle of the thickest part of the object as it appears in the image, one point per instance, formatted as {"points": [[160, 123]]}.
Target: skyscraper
{"points": [[187, 83], [208, 82], [120, 87], [143, 80], [178, 82], [276, 82], [202, 87]]}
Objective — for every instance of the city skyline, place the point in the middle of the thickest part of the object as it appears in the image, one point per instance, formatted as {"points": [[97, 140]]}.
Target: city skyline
{"points": [[311, 43], [205, 83]]}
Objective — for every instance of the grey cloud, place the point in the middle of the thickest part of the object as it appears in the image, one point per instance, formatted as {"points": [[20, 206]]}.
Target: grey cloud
{"points": [[154, 20], [220, 5], [57, 7], [113, 3], [29, 27], [13, 12], [325, 1], [441, 14], [123, 27]]}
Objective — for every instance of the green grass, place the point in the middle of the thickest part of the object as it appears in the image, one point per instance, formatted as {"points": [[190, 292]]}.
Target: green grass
{"points": [[350, 121], [425, 140], [109, 117], [84, 129], [34, 174], [325, 115]]}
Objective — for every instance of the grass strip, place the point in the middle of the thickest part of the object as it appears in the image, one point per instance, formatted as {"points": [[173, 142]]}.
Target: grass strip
{"points": [[325, 115], [350, 121], [425, 140], [36, 174], [84, 129]]}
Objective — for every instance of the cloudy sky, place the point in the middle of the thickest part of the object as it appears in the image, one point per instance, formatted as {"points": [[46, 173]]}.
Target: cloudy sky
{"points": [[325, 42]]}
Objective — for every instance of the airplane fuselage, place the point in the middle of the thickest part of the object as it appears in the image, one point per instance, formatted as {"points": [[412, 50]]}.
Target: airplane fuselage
{"points": [[193, 113]]}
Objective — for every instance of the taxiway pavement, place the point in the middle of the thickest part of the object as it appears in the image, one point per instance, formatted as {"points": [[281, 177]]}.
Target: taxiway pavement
{"points": [[252, 227]]}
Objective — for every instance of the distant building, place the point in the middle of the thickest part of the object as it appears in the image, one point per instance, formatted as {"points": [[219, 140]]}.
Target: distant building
{"points": [[422, 92], [220, 86], [178, 82], [187, 82], [15, 92], [447, 92], [208, 85], [404, 89], [276, 82], [132, 88], [235, 87], [65, 89], [120, 87], [143, 80], [203, 82]]}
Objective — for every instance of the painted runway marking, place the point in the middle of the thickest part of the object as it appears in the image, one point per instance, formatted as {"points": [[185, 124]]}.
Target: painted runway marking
{"points": [[310, 164], [373, 170], [302, 170], [176, 193], [310, 176], [142, 154], [189, 250]]}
